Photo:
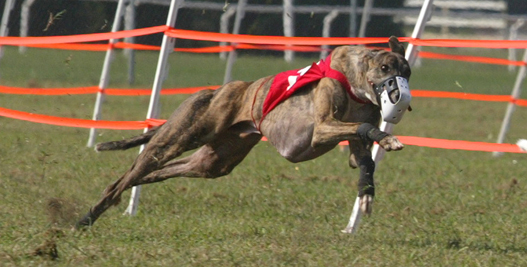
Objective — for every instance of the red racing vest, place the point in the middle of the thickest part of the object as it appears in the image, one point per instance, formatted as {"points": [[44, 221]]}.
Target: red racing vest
{"points": [[287, 83]]}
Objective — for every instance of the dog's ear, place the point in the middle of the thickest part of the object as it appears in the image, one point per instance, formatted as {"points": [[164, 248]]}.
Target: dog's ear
{"points": [[395, 46]]}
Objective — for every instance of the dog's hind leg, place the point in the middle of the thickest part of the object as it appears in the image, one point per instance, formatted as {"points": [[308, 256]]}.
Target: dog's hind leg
{"points": [[181, 133], [202, 119], [212, 160], [143, 165], [215, 159]]}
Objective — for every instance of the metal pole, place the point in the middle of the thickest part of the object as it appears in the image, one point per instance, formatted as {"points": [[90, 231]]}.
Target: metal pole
{"points": [[129, 24], [377, 154], [516, 91], [365, 17], [167, 47], [224, 27], [24, 21], [105, 74], [288, 17], [353, 18], [424, 16], [4, 29], [513, 35], [240, 13], [326, 31]]}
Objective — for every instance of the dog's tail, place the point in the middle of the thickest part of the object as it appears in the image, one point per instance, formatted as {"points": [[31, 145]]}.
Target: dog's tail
{"points": [[127, 143]]}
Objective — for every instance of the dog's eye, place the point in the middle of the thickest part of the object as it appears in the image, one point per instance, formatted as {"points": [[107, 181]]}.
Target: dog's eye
{"points": [[385, 68]]}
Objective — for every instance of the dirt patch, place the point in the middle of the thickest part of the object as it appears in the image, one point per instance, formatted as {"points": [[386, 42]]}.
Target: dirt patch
{"points": [[61, 212], [48, 248]]}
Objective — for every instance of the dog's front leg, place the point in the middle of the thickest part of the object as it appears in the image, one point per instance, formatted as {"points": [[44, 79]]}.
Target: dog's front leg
{"points": [[330, 129], [366, 184], [388, 142], [360, 156], [333, 131]]}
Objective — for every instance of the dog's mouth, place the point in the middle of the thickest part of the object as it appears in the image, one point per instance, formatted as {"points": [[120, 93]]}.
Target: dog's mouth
{"points": [[371, 84], [372, 98], [393, 95]]}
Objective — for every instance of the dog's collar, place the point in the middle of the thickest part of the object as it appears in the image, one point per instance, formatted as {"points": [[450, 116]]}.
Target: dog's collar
{"points": [[339, 76]]}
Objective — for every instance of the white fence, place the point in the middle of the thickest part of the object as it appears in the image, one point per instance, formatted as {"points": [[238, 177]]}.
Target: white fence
{"points": [[472, 14]]}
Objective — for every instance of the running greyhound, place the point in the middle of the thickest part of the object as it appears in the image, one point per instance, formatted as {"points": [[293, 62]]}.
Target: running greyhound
{"points": [[302, 113]]}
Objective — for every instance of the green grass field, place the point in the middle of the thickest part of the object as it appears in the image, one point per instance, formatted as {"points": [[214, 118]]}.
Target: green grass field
{"points": [[433, 207]]}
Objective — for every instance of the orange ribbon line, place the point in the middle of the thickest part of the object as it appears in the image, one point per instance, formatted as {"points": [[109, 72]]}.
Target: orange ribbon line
{"points": [[484, 60], [95, 89], [134, 125], [494, 44], [81, 38], [80, 123], [468, 96], [456, 144], [271, 40], [191, 90], [281, 40], [255, 39], [459, 144]]}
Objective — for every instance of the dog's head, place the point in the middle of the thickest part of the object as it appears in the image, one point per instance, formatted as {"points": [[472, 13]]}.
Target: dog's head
{"points": [[378, 75]]}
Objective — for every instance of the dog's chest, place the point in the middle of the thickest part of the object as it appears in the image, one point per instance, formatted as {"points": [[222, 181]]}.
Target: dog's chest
{"points": [[359, 113]]}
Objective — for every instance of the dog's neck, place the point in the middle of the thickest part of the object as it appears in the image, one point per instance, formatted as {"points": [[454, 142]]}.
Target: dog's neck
{"points": [[339, 76]]}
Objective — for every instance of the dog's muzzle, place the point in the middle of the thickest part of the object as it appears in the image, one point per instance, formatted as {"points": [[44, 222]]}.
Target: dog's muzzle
{"points": [[393, 96]]}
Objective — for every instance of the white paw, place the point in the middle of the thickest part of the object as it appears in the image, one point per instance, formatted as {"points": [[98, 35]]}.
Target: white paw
{"points": [[348, 230], [366, 204], [391, 143]]}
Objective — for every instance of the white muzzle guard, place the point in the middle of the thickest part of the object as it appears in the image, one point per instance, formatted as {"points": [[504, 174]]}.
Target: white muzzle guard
{"points": [[393, 96]]}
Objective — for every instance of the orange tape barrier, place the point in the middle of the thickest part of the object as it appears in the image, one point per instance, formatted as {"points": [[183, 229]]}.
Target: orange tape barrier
{"points": [[494, 44], [191, 90], [218, 49], [467, 96], [255, 39], [484, 60], [170, 91], [456, 144], [282, 40], [80, 123], [459, 144], [48, 91], [96, 47], [81, 38], [135, 125], [280, 43], [271, 42], [209, 49], [95, 89]]}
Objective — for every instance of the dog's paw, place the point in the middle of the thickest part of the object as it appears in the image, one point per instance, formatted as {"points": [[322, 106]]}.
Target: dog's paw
{"points": [[391, 143], [366, 204]]}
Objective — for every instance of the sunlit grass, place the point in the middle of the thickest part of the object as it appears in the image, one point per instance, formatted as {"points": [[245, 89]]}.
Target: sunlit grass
{"points": [[433, 207]]}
